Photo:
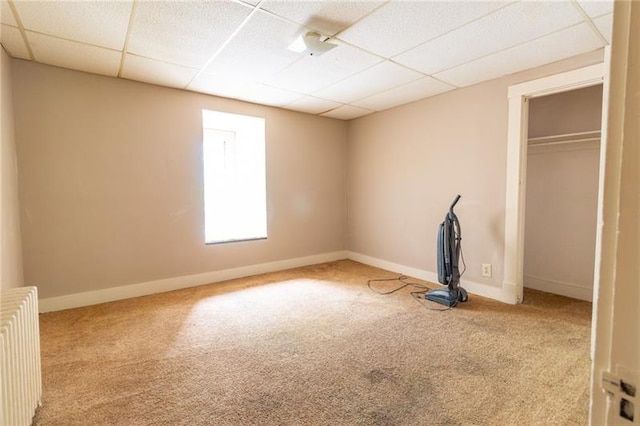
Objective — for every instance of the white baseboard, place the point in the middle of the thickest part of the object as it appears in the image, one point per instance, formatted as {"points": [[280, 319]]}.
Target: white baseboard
{"points": [[95, 297], [158, 286], [472, 287], [559, 287]]}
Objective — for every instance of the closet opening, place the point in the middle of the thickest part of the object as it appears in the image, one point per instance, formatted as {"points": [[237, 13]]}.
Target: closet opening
{"points": [[520, 97], [561, 195]]}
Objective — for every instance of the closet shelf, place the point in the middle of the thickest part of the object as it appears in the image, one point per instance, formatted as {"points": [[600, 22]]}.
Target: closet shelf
{"points": [[565, 138]]}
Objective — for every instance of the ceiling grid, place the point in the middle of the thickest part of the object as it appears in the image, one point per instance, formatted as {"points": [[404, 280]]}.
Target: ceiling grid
{"points": [[18, 22], [125, 48], [388, 52]]}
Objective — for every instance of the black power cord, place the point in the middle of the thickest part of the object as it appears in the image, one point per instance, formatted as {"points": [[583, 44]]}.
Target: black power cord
{"points": [[417, 295], [401, 278]]}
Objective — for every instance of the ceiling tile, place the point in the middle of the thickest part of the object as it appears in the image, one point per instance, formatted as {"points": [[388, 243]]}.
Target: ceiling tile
{"points": [[563, 44], [312, 73], [604, 25], [506, 27], [596, 8], [346, 112], [376, 79], [463, 42], [99, 23], [184, 33], [259, 50], [326, 17], [406, 93], [399, 26], [156, 72], [245, 90], [13, 42], [312, 105], [77, 56], [6, 14]]}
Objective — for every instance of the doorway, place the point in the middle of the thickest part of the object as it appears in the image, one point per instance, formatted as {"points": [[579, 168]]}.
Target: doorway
{"points": [[561, 196], [519, 97]]}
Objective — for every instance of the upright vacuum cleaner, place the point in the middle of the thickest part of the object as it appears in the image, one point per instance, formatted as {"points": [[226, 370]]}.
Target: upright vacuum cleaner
{"points": [[449, 249]]}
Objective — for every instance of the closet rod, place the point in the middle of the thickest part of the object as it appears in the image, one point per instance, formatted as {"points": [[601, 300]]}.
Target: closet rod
{"points": [[569, 141], [565, 138]]}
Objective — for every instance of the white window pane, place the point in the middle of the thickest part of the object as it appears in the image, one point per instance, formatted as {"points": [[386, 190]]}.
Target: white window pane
{"points": [[234, 177]]}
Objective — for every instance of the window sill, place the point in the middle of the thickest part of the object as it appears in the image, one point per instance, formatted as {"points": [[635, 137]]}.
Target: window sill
{"points": [[215, 243]]}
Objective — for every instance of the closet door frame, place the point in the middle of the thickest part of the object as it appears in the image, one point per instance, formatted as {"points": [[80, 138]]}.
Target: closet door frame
{"points": [[519, 95]]}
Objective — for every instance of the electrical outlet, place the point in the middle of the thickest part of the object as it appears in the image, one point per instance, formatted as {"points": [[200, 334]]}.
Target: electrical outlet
{"points": [[486, 270]]}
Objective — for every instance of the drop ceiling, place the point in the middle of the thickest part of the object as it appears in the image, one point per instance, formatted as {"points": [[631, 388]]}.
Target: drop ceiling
{"points": [[389, 52]]}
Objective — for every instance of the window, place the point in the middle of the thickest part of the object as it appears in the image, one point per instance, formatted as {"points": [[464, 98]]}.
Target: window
{"points": [[235, 200]]}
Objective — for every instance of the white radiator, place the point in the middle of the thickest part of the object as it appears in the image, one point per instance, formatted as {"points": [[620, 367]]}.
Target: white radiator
{"points": [[20, 372]]}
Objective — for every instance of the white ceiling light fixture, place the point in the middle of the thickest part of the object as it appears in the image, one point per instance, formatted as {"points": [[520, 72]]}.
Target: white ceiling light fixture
{"points": [[311, 44]]}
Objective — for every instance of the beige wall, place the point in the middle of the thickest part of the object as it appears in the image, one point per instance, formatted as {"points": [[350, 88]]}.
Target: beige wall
{"points": [[11, 256], [568, 112], [406, 165], [111, 182], [562, 195], [560, 219]]}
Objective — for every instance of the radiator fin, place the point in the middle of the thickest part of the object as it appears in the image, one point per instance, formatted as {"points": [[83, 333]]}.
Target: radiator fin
{"points": [[21, 376]]}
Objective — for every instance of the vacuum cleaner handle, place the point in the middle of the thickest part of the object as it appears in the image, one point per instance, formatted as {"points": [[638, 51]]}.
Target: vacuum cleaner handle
{"points": [[454, 203]]}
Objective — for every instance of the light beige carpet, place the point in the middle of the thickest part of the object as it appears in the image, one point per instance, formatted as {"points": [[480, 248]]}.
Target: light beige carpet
{"points": [[314, 346]]}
